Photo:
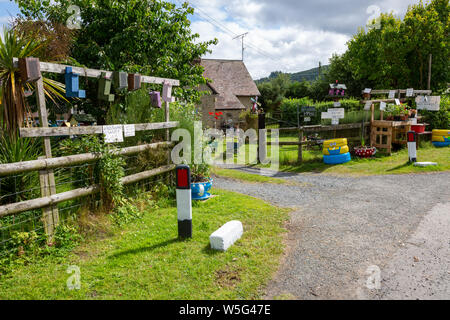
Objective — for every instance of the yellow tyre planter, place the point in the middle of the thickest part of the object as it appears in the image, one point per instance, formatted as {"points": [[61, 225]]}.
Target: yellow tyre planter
{"points": [[438, 139], [336, 143], [336, 150], [444, 133]]}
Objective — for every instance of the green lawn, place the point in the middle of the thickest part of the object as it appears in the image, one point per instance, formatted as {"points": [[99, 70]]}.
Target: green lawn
{"points": [[397, 163], [145, 260], [247, 177]]}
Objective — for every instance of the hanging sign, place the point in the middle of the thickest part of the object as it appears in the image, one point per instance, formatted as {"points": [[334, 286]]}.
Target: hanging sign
{"points": [[129, 130], [334, 121], [113, 133], [337, 104], [309, 111], [431, 103], [391, 94], [410, 92], [367, 91], [368, 105], [397, 102], [337, 113], [307, 119], [382, 106]]}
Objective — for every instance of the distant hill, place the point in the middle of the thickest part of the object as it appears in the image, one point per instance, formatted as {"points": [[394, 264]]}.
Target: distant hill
{"points": [[307, 75]]}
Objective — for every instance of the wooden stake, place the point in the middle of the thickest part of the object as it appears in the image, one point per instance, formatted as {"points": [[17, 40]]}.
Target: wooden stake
{"points": [[300, 146]]}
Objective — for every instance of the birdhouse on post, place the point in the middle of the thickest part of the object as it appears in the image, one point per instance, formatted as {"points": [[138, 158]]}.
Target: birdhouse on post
{"points": [[30, 69], [104, 88], [167, 92], [337, 89], [155, 98], [120, 80], [134, 81], [73, 85]]}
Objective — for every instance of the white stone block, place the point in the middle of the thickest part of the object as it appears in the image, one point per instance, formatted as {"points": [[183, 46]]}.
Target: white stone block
{"points": [[226, 236]]}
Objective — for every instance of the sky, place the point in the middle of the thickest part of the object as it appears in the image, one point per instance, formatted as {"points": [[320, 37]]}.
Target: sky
{"points": [[283, 35]]}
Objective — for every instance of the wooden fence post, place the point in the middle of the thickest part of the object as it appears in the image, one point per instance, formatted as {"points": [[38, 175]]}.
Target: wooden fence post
{"points": [[47, 212], [300, 145], [48, 178]]}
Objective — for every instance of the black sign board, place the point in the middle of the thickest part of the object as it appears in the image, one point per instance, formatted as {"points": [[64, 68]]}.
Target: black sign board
{"points": [[309, 111]]}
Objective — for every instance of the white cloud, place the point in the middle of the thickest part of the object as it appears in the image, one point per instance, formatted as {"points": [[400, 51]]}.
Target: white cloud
{"points": [[289, 35]]}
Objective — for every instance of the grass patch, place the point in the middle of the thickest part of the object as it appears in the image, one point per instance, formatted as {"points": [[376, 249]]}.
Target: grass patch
{"points": [[247, 177], [145, 260], [381, 164]]}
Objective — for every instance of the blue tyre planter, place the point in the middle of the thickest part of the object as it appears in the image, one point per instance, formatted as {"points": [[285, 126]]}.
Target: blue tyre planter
{"points": [[200, 190], [337, 159], [441, 144]]}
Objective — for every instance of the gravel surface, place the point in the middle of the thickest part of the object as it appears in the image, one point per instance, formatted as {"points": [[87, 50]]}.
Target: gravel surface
{"points": [[342, 229]]}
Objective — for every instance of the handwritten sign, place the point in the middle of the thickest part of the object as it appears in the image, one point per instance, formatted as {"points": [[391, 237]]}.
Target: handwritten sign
{"points": [[397, 102], [309, 111], [334, 122], [367, 90], [368, 105], [334, 115], [337, 104], [391, 94], [410, 92], [382, 106], [113, 133], [307, 119], [431, 103], [129, 130]]}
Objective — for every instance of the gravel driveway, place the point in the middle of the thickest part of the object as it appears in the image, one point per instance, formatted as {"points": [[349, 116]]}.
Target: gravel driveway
{"points": [[347, 233]]}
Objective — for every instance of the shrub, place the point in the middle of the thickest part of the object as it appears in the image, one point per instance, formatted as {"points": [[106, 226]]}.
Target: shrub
{"points": [[438, 119]]}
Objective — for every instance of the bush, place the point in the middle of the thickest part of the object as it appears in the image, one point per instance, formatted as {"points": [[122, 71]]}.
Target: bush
{"points": [[438, 119]]}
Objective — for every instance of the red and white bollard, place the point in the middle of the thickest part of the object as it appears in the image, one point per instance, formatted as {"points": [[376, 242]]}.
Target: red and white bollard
{"points": [[184, 201], [412, 146]]}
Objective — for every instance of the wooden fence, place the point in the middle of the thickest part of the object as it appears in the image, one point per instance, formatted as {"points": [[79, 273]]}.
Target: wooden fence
{"points": [[45, 165], [319, 128]]}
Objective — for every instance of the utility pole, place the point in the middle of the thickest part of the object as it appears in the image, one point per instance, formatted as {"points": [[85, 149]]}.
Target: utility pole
{"points": [[320, 68], [429, 71], [242, 36]]}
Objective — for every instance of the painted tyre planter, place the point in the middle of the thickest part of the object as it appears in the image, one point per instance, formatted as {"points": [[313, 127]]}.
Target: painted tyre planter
{"points": [[365, 152], [200, 190], [338, 159], [441, 144]]}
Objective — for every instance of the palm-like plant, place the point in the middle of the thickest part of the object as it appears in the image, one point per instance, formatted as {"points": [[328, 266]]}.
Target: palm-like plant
{"points": [[13, 104]]}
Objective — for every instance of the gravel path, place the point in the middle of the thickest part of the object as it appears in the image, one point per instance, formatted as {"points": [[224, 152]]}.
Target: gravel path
{"points": [[343, 230]]}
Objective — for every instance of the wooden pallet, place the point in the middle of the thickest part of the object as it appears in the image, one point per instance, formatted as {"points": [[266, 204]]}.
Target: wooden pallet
{"points": [[385, 133]]}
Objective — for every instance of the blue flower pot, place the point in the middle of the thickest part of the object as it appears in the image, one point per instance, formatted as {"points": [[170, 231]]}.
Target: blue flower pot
{"points": [[200, 190], [337, 159]]}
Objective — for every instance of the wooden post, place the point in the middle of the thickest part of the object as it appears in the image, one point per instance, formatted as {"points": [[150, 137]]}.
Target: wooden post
{"points": [[300, 145], [47, 212], [50, 185]]}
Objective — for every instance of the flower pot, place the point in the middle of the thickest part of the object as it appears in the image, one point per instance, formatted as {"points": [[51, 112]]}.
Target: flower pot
{"points": [[200, 190], [419, 128], [365, 152]]}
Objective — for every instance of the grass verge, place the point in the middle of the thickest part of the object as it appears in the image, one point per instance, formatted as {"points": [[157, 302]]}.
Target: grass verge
{"points": [[247, 177], [145, 260]]}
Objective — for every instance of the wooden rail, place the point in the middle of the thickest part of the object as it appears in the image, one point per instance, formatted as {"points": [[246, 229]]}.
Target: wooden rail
{"points": [[75, 131], [93, 73], [15, 208], [53, 163], [320, 128]]}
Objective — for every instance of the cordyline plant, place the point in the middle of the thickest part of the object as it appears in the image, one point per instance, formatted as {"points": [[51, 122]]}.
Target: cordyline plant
{"points": [[13, 104]]}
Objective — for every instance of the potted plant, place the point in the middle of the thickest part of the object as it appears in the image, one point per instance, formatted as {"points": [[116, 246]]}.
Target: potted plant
{"points": [[363, 151], [201, 181]]}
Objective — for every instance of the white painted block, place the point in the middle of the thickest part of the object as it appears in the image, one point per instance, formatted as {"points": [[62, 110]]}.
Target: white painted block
{"points": [[226, 236]]}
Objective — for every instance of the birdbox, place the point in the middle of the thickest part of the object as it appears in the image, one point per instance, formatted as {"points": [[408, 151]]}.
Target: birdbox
{"points": [[120, 80], [155, 98], [73, 85], [30, 69], [134, 81], [104, 88], [167, 92]]}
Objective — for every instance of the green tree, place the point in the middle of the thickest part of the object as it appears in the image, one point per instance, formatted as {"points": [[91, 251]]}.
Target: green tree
{"points": [[147, 36]]}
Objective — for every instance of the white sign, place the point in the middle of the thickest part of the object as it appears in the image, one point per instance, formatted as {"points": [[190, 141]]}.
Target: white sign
{"points": [[334, 122], [431, 103], [129, 130], [337, 104], [367, 90], [382, 106], [113, 133], [397, 102], [410, 92], [368, 105], [167, 92], [326, 115], [391, 94], [337, 113], [307, 119]]}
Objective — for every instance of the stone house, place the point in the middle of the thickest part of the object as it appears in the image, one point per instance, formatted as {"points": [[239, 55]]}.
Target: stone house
{"points": [[230, 89]]}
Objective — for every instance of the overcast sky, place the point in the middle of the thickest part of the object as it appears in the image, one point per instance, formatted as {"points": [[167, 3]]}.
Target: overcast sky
{"points": [[283, 35]]}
